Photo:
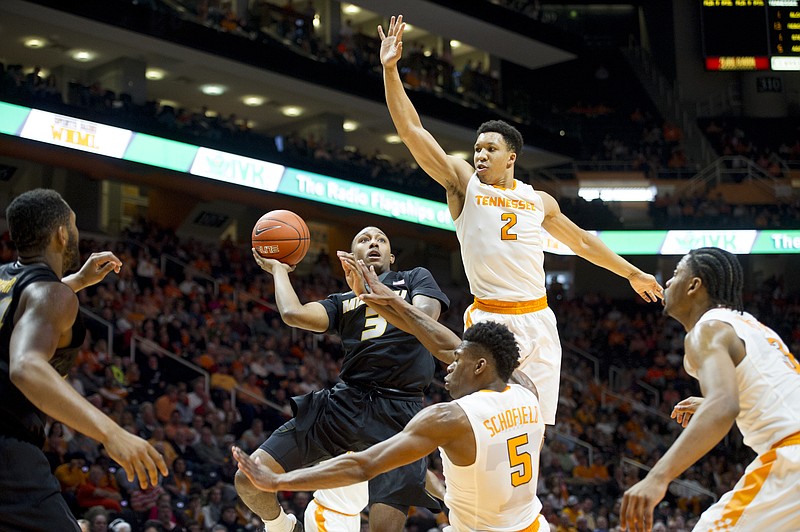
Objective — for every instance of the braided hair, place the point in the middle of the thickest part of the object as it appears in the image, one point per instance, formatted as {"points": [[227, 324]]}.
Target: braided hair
{"points": [[721, 274], [500, 342]]}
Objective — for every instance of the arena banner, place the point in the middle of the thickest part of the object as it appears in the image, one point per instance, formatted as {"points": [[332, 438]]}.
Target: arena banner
{"points": [[101, 139], [365, 198]]}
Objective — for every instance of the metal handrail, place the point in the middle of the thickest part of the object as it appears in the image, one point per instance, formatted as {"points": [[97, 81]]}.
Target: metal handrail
{"points": [[155, 347], [690, 487], [577, 441], [605, 394], [166, 257], [585, 354], [206, 375], [239, 294], [109, 328], [718, 170], [652, 390], [236, 390]]}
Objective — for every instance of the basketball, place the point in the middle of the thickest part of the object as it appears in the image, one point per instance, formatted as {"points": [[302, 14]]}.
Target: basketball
{"points": [[281, 235]]}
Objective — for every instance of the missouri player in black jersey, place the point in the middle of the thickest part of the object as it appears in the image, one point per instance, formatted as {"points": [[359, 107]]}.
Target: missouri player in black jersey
{"points": [[383, 376], [40, 333]]}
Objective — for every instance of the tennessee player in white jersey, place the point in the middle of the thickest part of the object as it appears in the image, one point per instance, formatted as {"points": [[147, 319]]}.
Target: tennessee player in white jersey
{"points": [[504, 263], [337, 509], [489, 436], [498, 491], [498, 221], [747, 375]]}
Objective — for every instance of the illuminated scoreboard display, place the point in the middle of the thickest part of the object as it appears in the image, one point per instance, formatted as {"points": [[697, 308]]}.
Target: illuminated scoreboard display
{"points": [[751, 34]]}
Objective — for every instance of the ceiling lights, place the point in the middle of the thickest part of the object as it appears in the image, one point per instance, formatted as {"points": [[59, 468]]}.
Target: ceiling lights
{"points": [[83, 56], [35, 42], [213, 89], [454, 43], [292, 110], [351, 9], [349, 125], [393, 139], [154, 74], [253, 100]]}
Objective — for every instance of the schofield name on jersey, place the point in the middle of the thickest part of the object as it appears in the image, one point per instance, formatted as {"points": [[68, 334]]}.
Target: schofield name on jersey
{"points": [[513, 417], [508, 203], [353, 303]]}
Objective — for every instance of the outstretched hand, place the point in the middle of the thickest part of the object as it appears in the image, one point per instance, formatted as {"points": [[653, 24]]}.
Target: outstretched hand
{"points": [[684, 410], [138, 458], [351, 273], [638, 502], [94, 270], [269, 265], [259, 475], [646, 286], [378, 293], [392, 41]]}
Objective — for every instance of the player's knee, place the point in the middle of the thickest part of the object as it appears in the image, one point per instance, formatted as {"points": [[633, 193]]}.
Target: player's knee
{"points": [[243, 485]]}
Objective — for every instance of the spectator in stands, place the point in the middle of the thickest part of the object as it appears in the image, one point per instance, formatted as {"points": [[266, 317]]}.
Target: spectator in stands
{"points": [[93, 493]]}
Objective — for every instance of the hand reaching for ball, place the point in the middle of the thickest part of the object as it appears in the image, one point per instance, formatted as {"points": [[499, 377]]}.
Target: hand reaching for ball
{"points": [[268, 265]]}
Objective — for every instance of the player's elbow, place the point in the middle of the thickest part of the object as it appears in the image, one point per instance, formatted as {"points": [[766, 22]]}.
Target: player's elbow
{"points": [[23, 373], [292, 318], [730, 410], [725, 408]]}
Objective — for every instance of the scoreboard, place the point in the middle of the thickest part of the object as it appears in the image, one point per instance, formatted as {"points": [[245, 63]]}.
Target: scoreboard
{"points": [[751, 34]]}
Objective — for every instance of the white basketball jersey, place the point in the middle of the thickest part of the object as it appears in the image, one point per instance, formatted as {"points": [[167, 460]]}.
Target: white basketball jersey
{"points": [[500, 230], [498, 491], [768, 379]]}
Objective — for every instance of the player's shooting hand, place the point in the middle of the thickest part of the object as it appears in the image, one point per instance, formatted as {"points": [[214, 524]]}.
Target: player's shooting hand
{"points": [[392, 41], [646, 286], [137, 457], [684, 410], [636, 512], [259, 475], [269, 265], [94, 270]]}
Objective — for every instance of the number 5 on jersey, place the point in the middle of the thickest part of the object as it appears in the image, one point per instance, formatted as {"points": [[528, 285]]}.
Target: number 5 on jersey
{"points": [[374, 325], [519, 458]]}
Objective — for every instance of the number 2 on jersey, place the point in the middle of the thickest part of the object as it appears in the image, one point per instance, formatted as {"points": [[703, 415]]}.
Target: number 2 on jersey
{"points": [[510, 219], [517, 457]]}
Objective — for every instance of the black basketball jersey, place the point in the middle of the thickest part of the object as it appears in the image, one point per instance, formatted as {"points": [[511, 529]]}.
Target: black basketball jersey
{"points": [[19, 418], [378, 354]]}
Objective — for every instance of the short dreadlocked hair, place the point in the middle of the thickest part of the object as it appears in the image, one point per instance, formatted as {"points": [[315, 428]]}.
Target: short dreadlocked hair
{"points": [[721, 274], [510, 134], [500, 342], [33, 216]]}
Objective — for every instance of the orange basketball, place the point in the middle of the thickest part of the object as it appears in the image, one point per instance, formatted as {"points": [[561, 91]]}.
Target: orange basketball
{"points": [[281, 235]]}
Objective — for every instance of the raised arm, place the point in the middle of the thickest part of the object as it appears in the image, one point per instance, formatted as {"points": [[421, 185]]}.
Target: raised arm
{"points": [[591, 248], [450, 172], [711, 347], [414, 319], [432, 427], [94, 270], [310, 316], [43, 323]]}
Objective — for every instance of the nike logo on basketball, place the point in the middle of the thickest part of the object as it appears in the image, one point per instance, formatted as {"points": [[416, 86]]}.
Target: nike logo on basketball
{"points": [[265, 229]]}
